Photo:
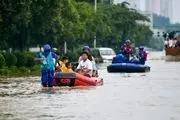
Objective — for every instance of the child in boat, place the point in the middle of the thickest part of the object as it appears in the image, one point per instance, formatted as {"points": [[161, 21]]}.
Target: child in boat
{"points": [[58, 64], [68, 66], [47, 60], [85, 66], [62, 64]]}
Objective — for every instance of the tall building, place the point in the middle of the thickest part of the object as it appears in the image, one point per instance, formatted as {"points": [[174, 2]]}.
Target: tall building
{"points": [[166, 8], [175, 11], [153, 6], [159, 7]]}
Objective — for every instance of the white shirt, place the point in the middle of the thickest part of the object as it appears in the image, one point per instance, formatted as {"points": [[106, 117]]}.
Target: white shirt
{"points": [[83, 65], [171, 43], [94, 67], [174, 43]]}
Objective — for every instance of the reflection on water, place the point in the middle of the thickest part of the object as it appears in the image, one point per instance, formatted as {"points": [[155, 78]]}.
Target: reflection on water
{"points": [[145, 96]]}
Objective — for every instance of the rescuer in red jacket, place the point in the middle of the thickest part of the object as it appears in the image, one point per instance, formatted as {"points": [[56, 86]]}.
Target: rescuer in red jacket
{"points": [[126, 49]]}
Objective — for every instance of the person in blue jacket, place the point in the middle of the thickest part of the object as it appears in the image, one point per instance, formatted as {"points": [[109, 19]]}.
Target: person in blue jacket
{"points": [[119, 59], [142, 56], [47, 60]]}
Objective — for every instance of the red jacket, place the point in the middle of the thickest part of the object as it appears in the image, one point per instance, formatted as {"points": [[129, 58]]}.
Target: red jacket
{"points": [[127, 49]]}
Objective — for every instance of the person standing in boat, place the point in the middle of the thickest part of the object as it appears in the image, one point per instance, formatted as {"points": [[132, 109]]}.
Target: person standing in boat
{"points": [[126, 50], [47, 60], [85, 65]]}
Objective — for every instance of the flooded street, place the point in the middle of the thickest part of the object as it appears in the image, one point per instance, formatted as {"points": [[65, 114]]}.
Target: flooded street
{"points": [[124, 96]]}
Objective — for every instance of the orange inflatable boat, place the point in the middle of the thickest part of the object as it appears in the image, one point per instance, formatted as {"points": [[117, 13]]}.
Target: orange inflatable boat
{"points": [[75, 79]]}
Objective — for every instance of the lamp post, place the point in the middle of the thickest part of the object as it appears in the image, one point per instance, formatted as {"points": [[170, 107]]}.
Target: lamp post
{"points": [[95, 5], [65, 47], [95, 9]]}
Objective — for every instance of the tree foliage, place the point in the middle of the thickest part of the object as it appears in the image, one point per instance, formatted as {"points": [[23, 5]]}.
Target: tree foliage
{"points": [[26, 23]]}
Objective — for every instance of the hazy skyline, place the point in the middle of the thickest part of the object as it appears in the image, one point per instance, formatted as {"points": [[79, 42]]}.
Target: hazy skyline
{"points": [[175, 17], [175, 11]]}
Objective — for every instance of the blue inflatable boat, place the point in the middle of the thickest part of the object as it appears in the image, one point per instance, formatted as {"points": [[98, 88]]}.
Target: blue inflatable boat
{"points": [[128, 68]]}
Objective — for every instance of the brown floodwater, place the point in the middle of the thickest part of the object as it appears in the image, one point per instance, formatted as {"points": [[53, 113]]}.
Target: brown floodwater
{"points": [[124, 96]]}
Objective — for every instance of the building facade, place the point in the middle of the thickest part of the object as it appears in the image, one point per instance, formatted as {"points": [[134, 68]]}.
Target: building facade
{"points": [[159, 7]]}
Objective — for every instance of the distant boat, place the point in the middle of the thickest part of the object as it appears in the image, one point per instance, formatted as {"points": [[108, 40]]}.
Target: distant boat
{"points": [[172, 54]]}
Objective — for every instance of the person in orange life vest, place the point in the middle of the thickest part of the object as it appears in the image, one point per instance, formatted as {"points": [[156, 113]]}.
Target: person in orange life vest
{"points": [[142, 55], [126, 49], [61, 65], [68, 66]]}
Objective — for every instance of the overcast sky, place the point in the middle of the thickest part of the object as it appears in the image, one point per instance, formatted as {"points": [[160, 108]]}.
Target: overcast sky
{"points": [[176, 10]]}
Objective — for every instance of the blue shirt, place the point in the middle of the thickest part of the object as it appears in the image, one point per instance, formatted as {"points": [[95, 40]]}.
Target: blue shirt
{"points": [[119, 59], [53, 55], [48, 62]]}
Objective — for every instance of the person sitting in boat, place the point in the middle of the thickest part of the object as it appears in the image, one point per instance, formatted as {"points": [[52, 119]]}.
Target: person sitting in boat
{"points": [[171, 43], [134, 60], [178, 43], [126, 49], [47, 59], [62, 64], [85, 66], [166, 43], [119, 59], [68, 66], [85, 49], [58, 64], [91, 58], [142, 56]]}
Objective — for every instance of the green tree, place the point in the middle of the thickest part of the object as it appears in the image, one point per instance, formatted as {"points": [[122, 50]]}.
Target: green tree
{"points": [[36, 22], [16, 17]]}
